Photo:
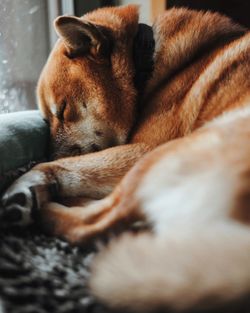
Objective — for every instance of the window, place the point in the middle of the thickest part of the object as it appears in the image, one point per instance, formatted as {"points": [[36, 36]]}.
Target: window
{"points": [[24, 47]]}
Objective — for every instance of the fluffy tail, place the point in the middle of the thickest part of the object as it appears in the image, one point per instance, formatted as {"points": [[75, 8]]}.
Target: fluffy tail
{"points": [[188, 269]]}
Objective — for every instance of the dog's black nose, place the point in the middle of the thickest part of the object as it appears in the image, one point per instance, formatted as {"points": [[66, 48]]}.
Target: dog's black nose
{"points": [[75, 150], [95, 147]]}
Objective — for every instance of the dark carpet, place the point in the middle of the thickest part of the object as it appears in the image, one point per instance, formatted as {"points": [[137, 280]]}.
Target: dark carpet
{"points": [[42, 274]]}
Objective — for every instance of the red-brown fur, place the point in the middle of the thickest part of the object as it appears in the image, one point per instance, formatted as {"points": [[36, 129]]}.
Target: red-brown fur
{"points": [[86, 92]]}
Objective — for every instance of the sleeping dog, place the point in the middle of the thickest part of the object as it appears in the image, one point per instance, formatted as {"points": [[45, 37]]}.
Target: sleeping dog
{"points": [[113, 91]]}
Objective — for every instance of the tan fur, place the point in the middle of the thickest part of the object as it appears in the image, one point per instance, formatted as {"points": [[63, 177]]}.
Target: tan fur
{"points": [[192, 192]]}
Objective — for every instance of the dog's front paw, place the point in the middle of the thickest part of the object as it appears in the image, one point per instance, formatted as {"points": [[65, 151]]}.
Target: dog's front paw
{"points": [[21, 200]]}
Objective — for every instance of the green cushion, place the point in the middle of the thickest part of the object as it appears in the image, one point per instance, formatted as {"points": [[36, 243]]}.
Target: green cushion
{"points": [[24, 139]]}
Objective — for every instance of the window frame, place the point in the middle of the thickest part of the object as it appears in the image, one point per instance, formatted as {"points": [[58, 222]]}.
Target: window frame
{"points": [[56, 8]]}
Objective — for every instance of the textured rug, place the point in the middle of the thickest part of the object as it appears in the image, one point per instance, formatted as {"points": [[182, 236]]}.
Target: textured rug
{"points": [[42, 274]]}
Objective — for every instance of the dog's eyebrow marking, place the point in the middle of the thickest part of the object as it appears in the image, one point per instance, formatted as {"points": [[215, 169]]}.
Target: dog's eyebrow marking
{"points": [[53, 108]]}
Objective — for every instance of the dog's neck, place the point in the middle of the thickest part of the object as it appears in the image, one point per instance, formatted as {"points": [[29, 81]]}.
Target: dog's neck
{"points": [[143, 50]]}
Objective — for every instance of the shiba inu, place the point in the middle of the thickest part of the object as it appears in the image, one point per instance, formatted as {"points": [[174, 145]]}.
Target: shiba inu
{"points": [[113, 90]]}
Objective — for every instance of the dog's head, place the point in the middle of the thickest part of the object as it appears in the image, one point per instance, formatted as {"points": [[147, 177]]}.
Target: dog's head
{"points": [[86, 90]]}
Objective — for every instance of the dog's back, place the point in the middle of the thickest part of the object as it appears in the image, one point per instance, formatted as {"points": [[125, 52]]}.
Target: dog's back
{"points": [[200, 71]]}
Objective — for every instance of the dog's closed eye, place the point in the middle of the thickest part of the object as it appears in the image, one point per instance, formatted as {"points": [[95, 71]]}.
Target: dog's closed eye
{"points": [[60, 110], [98, 133]]}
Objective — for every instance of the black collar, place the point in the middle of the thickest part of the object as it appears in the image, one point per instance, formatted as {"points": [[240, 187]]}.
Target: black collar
{"points": [[143, 50]]}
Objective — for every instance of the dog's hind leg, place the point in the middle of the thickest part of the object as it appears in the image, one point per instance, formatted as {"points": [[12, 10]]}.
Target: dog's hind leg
{"points": [[82, 223]]}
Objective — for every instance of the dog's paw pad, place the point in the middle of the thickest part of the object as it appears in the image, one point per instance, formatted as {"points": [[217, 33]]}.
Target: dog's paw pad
{"points": [[16, 208], [12, 215]]}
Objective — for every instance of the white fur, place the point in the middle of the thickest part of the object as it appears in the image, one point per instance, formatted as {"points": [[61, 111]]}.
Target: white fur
{"points": [[231, 116], [189, 267], [53, 108], [177, 193]]}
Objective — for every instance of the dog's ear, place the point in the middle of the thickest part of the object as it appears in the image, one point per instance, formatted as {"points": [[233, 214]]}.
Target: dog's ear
{"points": [[82, 37]]}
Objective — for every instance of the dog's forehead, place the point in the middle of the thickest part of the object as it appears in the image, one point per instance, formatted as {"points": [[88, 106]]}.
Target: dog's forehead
{"points": [[62, 69], [58, 61]]}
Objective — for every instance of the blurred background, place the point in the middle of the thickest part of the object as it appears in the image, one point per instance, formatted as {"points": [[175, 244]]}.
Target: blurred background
{"points": [[27, 36]]}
